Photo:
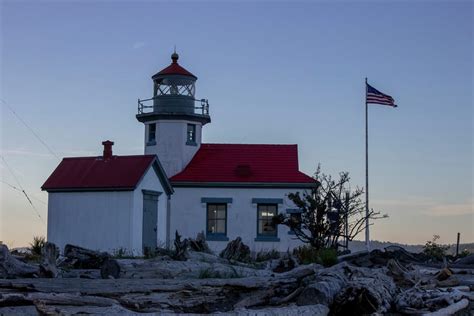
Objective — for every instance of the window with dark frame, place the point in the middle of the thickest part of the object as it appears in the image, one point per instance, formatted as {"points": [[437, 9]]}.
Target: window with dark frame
{"points": [[191, 135], [265, 225], [152, 132], [216, 219]]}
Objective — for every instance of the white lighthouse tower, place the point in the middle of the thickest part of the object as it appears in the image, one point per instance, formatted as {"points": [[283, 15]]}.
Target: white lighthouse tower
{"points": [[173, 117]]}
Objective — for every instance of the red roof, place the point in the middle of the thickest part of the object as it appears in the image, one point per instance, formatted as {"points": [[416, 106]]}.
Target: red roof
{"points": [[118, 172], [244, 163], [174, 69]]}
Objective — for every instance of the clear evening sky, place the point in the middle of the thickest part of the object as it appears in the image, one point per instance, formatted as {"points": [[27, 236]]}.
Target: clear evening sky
{"points": [[274, 72]]}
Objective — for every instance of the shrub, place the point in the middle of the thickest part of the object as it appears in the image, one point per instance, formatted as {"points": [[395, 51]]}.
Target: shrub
{"points": [[307, 254], [328, 256], [37, 245], [464, 253], [265, 255], [434, 250]]}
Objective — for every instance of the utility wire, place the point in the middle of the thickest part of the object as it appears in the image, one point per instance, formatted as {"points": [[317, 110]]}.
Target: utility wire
{"points": [[22, 189], [30, 129], [18, 189]]}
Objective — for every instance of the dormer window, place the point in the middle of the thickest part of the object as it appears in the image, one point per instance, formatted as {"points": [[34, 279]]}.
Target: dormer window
{"points": [[191, 135]]}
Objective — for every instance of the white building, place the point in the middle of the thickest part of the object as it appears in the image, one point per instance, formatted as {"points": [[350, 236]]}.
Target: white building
{"points": [[225, 190]]}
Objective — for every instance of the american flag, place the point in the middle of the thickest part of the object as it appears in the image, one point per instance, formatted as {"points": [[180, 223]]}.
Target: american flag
{"points": [[375, 96]]}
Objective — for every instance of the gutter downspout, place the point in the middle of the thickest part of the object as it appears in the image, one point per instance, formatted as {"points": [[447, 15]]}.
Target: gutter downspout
{"points": [[168, 222]]}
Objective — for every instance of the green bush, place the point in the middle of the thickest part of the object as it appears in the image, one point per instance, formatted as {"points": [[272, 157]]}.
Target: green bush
{"points": [[37, 245], [434, 250], [328, 257], [464, 253], [307, 254]]}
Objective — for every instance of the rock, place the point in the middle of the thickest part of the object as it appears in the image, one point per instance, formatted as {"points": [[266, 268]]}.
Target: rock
{"points": [[85, 258], [236, 250]]}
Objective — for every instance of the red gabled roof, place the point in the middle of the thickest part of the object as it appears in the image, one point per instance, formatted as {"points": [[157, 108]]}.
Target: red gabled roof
{"points": [[82, 173], [244, 163]]}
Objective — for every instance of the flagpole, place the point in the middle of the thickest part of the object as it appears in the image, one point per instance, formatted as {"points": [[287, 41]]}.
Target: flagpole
{"points": [[367, 236]]}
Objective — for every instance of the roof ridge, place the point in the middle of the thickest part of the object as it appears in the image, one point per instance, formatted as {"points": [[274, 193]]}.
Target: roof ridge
{"points": [[247, 144]]}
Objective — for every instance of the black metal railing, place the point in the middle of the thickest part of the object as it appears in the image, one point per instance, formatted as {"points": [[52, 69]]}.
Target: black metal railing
{"points": [[146, 106]]}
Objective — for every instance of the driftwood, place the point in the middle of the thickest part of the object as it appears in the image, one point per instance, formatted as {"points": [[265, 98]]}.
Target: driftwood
{"points": [[49, 254], [10, 267], [110, 269], [180, 252], [368, 291], [199, 244], [325, 286], [236, 250], [85, 258]]}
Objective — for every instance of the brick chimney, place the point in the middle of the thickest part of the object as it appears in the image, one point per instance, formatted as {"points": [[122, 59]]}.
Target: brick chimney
{"points": [[107, 149]]}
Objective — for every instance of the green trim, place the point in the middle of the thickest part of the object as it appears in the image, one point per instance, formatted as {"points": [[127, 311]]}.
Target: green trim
{"points": [[192, 184], [267, 239], [155, 116], [267, 201], [162, 176], [294, 211], [216, 236], [151, 192], [121, 189], [216, 200]]}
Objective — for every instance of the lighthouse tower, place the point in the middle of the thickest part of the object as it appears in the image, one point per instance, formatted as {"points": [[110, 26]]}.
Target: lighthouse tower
{"points": [[173, 117]]}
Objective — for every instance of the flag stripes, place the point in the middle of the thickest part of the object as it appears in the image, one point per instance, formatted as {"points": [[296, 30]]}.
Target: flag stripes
{"points": [[375, 96]]}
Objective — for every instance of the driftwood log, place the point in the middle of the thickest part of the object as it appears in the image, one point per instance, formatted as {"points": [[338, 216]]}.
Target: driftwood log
{"points": [[10, 267], [325, 286], [49, 254], [85, 258], [368, 291], [236, 250]]}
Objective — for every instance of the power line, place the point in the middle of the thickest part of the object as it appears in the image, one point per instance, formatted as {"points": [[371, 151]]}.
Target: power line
{"points": [[22, 189], [30, 129], [18, 189]]}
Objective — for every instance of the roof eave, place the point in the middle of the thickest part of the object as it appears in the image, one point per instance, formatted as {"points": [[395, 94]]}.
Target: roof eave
{"points": [[269, 185]]}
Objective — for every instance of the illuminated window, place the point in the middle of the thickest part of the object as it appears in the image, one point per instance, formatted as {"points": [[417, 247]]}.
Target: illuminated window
{"points": [[191, 135], [265, 225], [216, 219]]}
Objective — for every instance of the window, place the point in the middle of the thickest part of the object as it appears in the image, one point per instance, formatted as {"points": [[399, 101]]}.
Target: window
{"points": [[265, 225], [151, 132], [216, 219], [191, 135]]}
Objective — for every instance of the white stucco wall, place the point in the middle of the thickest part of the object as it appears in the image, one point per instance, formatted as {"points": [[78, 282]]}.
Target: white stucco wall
{"points": [[171, 145], [188, 215], [106, 221]]}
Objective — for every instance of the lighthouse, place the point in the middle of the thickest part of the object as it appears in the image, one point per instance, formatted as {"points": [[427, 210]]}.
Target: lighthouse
{"points": [[173, 117]]}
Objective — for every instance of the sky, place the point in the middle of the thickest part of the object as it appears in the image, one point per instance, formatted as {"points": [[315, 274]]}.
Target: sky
{"points": [[274, 72]]}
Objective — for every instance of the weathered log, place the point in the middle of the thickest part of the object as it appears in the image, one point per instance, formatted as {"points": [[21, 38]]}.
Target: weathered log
{"points": [[110, 269], [180, 251], [199, 244], [308, 310], [325, 286], [236, 250], [85, 258], [11, 267], [54, 299], [49, 254], [368, 291], [451, 309]]}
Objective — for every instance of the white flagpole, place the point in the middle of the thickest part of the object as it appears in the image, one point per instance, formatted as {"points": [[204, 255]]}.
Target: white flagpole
{"points": [[367, 236]]}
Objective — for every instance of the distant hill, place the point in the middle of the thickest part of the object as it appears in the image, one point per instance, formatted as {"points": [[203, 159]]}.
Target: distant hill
{"points": [[357, 245]]}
